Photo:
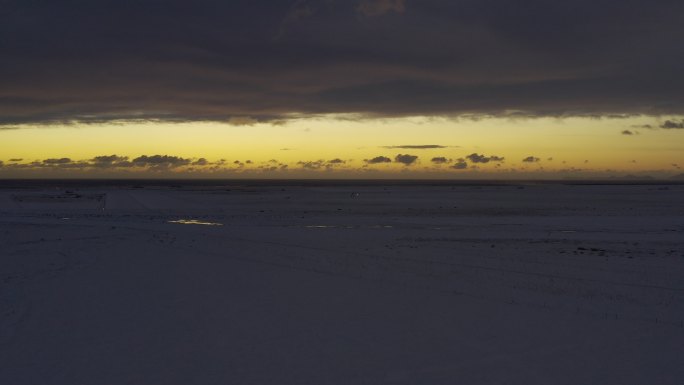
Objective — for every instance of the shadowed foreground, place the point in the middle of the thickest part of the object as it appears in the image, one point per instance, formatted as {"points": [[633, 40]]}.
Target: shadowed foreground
{"points": [[545, 284]]}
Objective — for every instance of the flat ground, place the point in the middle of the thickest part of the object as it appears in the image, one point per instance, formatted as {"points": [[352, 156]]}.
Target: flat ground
{"points": [[536, 284]]}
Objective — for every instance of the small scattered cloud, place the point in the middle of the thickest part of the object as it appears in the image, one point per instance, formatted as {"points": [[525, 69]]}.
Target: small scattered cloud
{"points": [[644, 126], [406, 159], [311, 165], [110, 161], [16, 160], [201, 162], [477, 158], [321, 164], [672, 125], [627, 132], [416, 147], [378, 159], [440, 160], [531, 159], [380, 7], [55, 161], [460, 164], [160, 161]]}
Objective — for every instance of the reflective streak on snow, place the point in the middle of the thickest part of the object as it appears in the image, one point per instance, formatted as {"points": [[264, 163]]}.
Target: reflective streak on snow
{"points": [[195, 222]]}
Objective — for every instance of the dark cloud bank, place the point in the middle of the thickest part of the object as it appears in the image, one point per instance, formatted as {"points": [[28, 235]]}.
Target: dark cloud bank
{"points": [[245, 61]]}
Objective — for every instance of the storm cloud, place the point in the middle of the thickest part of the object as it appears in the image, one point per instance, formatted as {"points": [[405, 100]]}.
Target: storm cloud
{"points": [[243, 62]]}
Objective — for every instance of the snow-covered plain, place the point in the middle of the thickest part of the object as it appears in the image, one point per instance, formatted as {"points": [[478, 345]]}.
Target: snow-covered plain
{"points": [[367, 284]]}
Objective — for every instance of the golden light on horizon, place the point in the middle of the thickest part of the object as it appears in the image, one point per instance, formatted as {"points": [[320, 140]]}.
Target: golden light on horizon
{"points": [[554, 144]]}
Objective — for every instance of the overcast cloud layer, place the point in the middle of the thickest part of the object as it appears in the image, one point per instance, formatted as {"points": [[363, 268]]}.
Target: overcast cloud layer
{"points": [[245, 60]]}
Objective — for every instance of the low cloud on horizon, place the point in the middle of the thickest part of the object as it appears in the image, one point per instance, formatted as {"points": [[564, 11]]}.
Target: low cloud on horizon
{"points": [[175, 166]]}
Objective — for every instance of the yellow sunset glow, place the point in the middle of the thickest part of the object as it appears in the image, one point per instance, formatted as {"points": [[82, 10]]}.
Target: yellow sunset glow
{"points": [[558, 144]]}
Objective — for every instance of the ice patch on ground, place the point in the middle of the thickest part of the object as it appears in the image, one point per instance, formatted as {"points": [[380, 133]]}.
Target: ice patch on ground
{"points": [[195, 222]]}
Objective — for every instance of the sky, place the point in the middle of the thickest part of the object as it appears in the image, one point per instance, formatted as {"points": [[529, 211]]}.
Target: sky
{"points": [[472, 89]]}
